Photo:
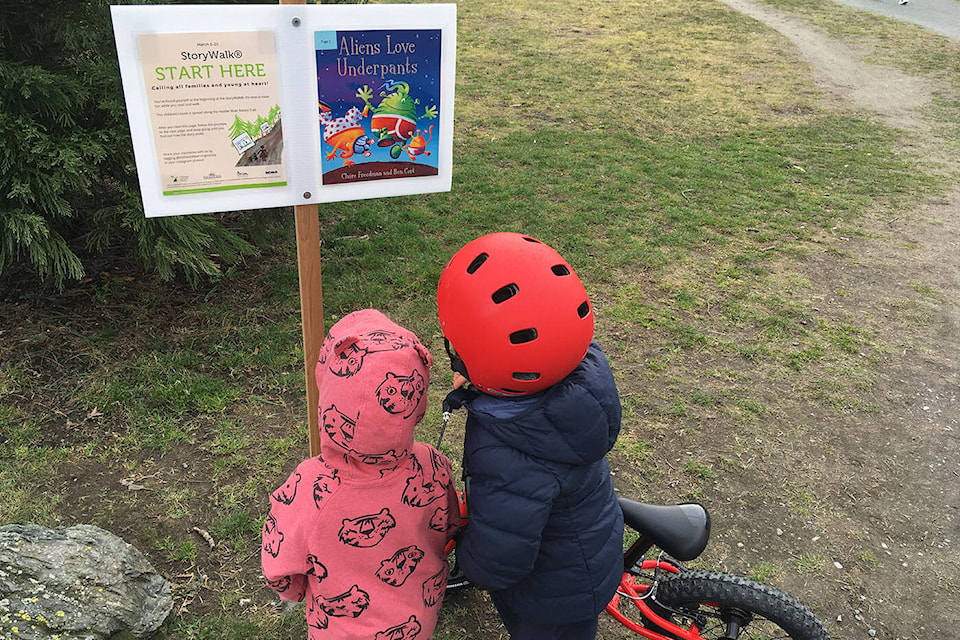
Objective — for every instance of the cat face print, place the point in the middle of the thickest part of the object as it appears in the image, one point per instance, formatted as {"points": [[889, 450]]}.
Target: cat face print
{"points": [[409, 630], [316, 568], [385, 341], [390, 457], [288, 491], [441, 472], [400, 395], [434, 586], [346, 605], [421, 488], [324, 486], [272, 537], [345, 357], [439, 519], [340, 427], [395, 570], [368, 530]]}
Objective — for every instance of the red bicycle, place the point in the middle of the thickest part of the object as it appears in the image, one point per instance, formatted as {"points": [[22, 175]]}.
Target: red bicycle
{"points": [[661, 599]]}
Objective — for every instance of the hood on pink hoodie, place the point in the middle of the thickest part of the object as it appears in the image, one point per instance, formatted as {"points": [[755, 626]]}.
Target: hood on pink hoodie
{"points": [[372, 375]]}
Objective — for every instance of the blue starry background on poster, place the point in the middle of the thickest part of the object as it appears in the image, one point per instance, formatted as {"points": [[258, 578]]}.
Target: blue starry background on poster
{"points": [[379, 102]]}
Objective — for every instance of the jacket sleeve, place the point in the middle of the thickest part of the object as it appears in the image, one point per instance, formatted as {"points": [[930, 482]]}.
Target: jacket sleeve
{"points": [[510, 497], [283, 552]]}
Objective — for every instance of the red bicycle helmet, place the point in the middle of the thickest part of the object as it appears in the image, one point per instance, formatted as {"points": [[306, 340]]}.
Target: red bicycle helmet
{"points": [[517, 316]]}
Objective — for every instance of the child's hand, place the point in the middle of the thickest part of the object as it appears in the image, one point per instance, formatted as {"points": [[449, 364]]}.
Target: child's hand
{"points": [[459, 380]]}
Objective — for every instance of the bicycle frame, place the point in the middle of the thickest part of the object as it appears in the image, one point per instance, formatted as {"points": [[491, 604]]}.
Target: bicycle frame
{"points": [[638, 594]]}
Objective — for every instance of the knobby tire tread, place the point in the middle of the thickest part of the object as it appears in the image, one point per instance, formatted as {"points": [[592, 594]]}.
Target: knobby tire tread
{"points": [[726, 589]]}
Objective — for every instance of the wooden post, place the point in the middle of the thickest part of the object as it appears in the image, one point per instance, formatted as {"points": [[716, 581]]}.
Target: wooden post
{"points": [[307, 218]]}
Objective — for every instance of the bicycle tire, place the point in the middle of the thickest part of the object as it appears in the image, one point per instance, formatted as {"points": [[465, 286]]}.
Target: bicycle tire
{"points": [[709, 596]]}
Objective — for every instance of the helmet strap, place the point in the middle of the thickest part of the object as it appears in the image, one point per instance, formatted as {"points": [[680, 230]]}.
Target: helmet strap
{"points": [[456, 363]]}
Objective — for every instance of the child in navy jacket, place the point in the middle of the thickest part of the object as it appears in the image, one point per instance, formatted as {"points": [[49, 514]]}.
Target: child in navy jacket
{"points": [[545, 531]]}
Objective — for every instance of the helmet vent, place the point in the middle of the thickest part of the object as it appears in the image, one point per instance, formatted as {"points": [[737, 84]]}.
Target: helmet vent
{"points": [[477, 263], [523, 336], [560, 270], [526, 376], [504, 293], [583, 310]]}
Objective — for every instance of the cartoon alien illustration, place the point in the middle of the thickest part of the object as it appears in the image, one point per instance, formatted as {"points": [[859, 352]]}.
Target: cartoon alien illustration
{"points": [[416, 146], [394, 118], [345, 134]]}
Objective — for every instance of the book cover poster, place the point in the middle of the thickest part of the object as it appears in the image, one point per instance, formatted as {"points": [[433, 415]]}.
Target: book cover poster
{"points": [[214, 105], [379, 104]]}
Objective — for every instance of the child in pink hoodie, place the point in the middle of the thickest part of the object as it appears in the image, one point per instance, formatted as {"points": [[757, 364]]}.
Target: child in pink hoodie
{"points": [[359, 531]]}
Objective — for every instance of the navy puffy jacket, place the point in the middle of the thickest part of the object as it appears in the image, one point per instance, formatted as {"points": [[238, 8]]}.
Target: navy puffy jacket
{"points": [[545, 532]]}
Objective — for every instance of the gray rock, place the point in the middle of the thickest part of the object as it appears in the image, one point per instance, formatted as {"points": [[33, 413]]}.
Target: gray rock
{"points": [[79, 583]]}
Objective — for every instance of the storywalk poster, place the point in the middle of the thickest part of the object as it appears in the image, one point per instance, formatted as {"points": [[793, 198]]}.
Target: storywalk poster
{"points": [[214, 107], [248, 106]]}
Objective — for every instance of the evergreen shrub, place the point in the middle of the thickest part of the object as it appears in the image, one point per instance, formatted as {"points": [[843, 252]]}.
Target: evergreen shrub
{"points": [[68, 188]]}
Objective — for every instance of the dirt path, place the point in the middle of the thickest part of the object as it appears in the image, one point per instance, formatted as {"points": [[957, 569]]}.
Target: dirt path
{"points": [[894, 96], [896, 488]]}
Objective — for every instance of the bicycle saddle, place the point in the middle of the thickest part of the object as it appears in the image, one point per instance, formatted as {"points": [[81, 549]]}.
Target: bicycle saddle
{"points": [[682, 530]]}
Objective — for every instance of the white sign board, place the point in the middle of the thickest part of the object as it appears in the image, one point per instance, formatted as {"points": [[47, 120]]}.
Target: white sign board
{"points": [[248, 106]]}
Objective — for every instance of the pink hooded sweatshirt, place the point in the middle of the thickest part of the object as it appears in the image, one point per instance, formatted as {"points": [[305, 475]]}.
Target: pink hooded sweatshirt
{"points": [[359, 531]]}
